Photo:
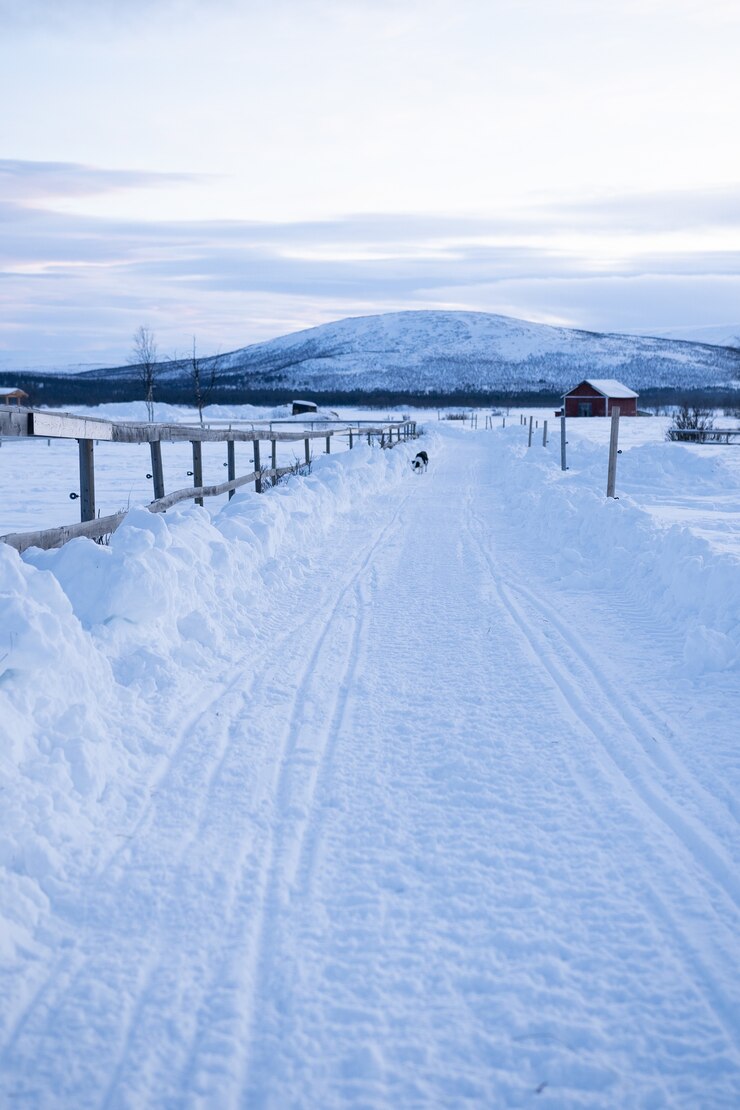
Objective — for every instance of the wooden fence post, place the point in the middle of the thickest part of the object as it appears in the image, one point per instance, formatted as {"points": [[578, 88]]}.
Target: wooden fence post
{"points": [[544, 434], [611, 479], [562, 443], [197, 467], [308, 452], [328, 445], [529, 442], [273, 457], [155, 448], [257, 473], [231, 463], [350, 439], [87, 479]]}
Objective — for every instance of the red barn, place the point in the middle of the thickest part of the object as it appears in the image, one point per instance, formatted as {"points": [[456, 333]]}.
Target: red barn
{"points": [[598, 396]]}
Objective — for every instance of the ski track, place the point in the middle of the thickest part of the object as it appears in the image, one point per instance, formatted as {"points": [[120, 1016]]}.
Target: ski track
{"points": [[189, 783], [608, 718], [417, 849]]}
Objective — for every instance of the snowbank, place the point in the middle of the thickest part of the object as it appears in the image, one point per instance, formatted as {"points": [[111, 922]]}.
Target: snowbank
{"points": [[93, 636], [600, 544]]}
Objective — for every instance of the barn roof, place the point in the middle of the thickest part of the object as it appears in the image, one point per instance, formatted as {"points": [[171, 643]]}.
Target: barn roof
{"points": [[609, 387]]}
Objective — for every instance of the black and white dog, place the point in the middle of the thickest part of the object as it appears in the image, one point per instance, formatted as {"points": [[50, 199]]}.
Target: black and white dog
{"points": [[421, 462]]}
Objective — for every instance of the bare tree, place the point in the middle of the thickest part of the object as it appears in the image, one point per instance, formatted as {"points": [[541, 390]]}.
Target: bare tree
{"points": [[204, 373], [694, 421], [144, 358]]}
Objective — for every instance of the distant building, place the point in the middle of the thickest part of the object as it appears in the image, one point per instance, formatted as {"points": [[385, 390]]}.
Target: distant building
{"points": [[598, 396], [304, 406], [8, 396]]}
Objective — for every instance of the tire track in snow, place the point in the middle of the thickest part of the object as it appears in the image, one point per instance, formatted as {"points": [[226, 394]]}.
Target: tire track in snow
{"points": [[238, 907], [195, 750], [295, 832], [65, 970], [586, 717], [712, 856]]}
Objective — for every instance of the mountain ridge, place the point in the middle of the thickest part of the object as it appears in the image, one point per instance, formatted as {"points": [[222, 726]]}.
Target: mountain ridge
{"points": [[426, 350], [436, 353]]}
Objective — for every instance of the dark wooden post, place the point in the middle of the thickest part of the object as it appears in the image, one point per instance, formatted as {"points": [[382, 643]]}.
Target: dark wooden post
{"points": [[197, 467], [308, 452], [155, 447], [350, 439], [257, 474], [231, 463], [529, 442], [87, 479], [328, 445], [563, 442], [273, 458]]}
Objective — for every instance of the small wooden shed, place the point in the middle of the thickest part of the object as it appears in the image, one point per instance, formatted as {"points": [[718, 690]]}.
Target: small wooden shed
{"points": [[598, 396], [304, 406], [10, 396]]}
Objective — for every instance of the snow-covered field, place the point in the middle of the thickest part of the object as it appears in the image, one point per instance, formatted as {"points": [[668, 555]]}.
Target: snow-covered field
{"points": [[379, 789]]}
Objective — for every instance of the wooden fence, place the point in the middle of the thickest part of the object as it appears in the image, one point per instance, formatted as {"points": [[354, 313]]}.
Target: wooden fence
{"points": [[704, 435], [34, 423]]}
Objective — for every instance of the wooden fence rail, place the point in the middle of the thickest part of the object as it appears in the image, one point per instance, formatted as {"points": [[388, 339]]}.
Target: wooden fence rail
{"points": [[704, 435], [87, 431]]}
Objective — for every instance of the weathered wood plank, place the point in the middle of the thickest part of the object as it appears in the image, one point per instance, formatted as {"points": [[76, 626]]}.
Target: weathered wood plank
{"points": [[61, 425], [198, 467], [104, 525], [611, 477], [257, 468], [87, 479], [56, 537], [155, 448], [231, 463], [64, 425], [13, 422]]}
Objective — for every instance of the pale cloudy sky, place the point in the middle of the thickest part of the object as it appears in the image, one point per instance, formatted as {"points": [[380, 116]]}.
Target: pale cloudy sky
{"points": [[236, 169]]}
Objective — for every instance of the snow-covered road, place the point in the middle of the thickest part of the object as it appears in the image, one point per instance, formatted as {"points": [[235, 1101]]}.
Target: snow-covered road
{"points": [[445, 827]]}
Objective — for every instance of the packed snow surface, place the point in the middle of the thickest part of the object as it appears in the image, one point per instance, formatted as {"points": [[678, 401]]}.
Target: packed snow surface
{"points": [[381, 790]]}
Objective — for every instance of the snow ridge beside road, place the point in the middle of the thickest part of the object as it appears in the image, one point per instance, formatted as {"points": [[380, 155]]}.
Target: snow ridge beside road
{"points": [[379, 788]]}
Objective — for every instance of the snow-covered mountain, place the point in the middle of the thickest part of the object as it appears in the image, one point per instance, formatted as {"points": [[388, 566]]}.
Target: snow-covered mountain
{"points": [[454, 352], [719, 335]]}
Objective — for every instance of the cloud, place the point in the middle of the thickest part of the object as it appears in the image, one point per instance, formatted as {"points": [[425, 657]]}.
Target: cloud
{"points": [[669, 210], [75, 286], [29, 182]]}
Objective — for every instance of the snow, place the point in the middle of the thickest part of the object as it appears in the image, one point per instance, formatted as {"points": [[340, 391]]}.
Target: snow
{"points": [[382, 789], [443, 352], [610, 387]]}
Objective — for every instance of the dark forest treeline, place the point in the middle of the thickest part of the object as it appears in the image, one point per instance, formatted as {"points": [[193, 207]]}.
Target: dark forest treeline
{"points": [[57, 390]]}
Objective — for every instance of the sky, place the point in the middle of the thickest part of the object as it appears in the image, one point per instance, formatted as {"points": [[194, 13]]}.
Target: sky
{"points": [[237, 169]]}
